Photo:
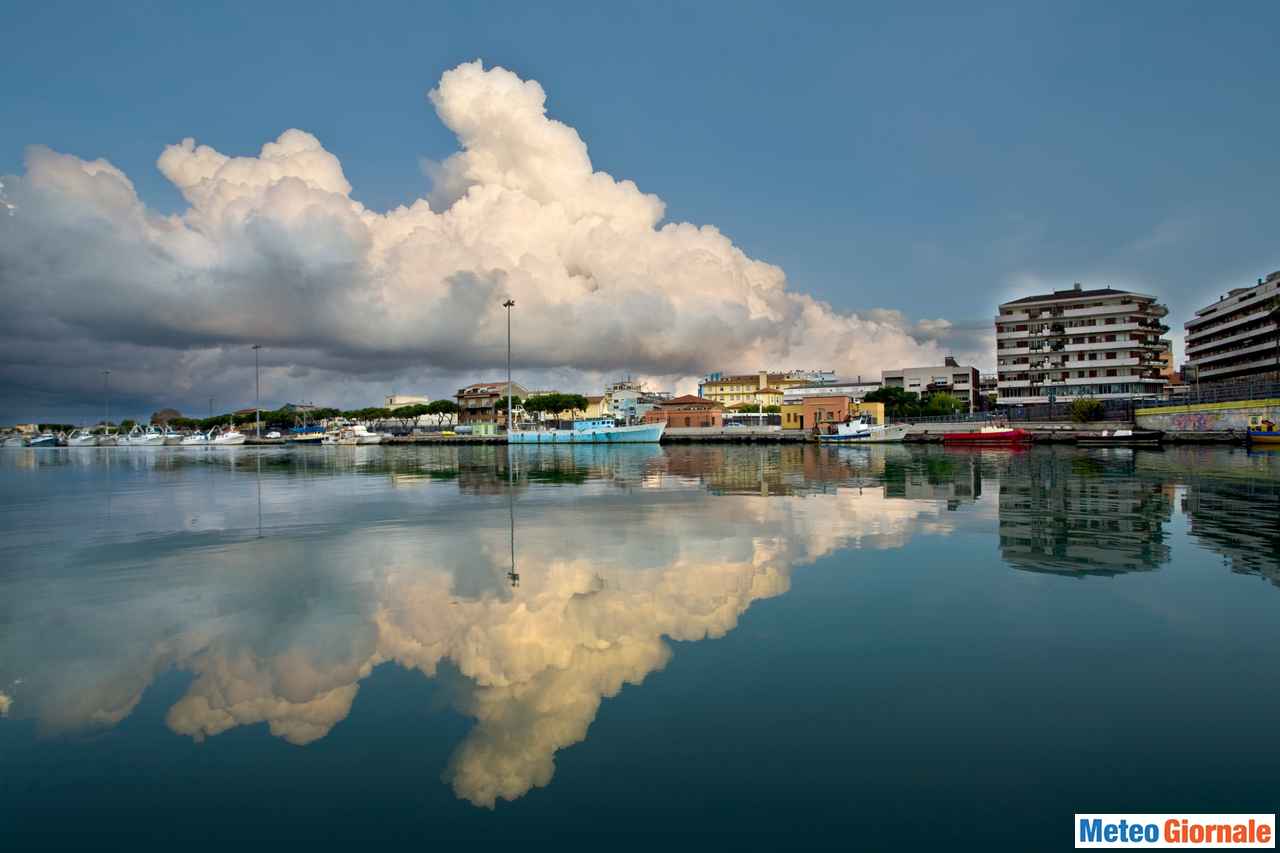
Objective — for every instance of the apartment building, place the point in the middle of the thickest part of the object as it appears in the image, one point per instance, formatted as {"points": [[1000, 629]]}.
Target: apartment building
{"points": [[949, 377], [486, 402], [1237, 337], [1102, 343]]}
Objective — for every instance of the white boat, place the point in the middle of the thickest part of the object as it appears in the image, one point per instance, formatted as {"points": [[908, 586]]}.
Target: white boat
{"points": [[593, 431], [140, 437], [82, 438], [227, 438], [363, 436], [862, 430], [108, 439], [44, 439], [15, 440], [196, 439], [275, 433], [172, 436]]}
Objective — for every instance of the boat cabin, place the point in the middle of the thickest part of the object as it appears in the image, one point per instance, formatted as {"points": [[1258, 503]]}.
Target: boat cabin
{"points": [[593, 423]]}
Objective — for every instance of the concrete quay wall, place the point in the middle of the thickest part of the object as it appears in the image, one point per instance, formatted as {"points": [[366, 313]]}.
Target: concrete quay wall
{"points": [[1199, 420]]}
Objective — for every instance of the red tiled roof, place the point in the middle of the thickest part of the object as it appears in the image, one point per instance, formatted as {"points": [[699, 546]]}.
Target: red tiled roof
{"points": [[689, 399]]}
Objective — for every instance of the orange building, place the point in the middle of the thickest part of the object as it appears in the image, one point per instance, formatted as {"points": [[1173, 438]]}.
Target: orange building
{"points": [[687, 411]]}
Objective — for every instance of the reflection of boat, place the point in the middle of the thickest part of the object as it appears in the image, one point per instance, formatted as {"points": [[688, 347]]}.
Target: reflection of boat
{"points": [[988, 435], [1122, 438], [82, 438], [44, 439], [863, 431], [1263, 430], [593, 431]]}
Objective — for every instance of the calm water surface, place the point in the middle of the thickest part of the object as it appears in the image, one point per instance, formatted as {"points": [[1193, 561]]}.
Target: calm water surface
{"points": [[870, 648]]}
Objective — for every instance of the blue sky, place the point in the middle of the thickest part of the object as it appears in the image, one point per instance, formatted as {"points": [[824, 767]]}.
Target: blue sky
{"points": [[928, 158]]}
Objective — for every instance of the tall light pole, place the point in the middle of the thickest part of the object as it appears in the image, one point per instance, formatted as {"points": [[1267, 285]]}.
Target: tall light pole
{"points": [[257, 393], [509, 304], [106, 395]]}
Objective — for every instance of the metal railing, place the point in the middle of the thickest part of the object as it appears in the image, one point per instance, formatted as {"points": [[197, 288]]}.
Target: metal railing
{"points": [[1219, 392]]}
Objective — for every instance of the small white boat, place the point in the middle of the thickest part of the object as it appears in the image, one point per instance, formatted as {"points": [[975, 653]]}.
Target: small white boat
{"points": [[44, 439], [15, 440], [196, 439], [108, 439], [363, 436], [275, 433], [227, 438], [82, 438], [172, 436], [862, 430]]}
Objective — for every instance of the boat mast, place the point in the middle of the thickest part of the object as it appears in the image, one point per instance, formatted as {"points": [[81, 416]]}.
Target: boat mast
{"points": [[508, 305]]}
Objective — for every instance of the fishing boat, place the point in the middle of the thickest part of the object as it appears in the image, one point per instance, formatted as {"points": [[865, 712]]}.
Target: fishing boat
{"points": [[591, 431], [140, 437], [44, 439], [1123, 437], [14, 440], [227, 438], [1263, 430], [988, 435], [82, 438], [196, 439], [863, 430], [172, 437], [107, 438], [313, 434]]}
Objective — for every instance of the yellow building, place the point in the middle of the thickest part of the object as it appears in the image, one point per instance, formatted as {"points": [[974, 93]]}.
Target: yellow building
{"points": [[763, 388], [794, 413]]}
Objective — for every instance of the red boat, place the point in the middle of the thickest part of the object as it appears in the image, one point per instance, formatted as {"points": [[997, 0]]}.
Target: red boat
{"points": [[989, 435]]}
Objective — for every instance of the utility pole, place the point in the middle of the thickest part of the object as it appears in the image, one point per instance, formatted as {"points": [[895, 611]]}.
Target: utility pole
{"points": [[106, 395], [257, 393], [509, 304]]}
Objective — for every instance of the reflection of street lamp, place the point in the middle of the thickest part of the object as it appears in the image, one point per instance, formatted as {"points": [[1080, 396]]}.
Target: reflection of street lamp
{"points": [[257, 395], [509, 304]]}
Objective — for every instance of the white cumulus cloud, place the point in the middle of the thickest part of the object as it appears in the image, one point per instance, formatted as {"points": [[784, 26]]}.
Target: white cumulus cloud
{"points": [[273, 249]]}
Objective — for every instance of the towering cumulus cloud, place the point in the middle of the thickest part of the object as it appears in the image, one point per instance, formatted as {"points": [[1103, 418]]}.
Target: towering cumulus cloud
{"points": [[273, 249]]}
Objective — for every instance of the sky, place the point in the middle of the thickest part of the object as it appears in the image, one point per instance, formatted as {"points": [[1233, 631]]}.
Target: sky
{"points": [[665, 189]]}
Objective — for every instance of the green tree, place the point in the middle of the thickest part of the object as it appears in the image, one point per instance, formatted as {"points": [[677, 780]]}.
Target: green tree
{"points": [[1085, 409], [943, 404], [440, 409], [898, 402]]}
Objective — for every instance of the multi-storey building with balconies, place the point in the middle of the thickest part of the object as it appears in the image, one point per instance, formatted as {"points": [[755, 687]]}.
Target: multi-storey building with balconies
{"points": [[1102, 343], [1237, 337]]}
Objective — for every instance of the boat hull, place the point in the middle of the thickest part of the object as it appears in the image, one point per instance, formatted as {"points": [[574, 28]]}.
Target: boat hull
{"points": [[889, 435], [638, 434], [1261, 437], [90, 441], [1003, 438], [43, 442]]}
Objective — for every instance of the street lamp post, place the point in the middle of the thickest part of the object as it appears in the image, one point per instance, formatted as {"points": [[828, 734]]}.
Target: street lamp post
{"points": [[257, 393], [509, 304]]}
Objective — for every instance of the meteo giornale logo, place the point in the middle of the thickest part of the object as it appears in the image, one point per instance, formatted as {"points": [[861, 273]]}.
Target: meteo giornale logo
{"points": [[1256, 831]]}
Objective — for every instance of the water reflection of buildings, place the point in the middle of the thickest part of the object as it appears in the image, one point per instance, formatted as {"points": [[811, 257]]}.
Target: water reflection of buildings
{"points": [[1240, 519], [932, 475], [1073, 514]]}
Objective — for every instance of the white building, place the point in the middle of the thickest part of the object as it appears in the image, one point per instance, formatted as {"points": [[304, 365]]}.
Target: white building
{"points": [[1103, 344], [1237, 337], [951, 378], [854, 389], [629, 402], [395, 401]]}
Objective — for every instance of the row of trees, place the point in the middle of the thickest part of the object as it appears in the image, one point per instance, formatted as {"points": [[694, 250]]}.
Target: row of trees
{"points": [[901, 403], [286, 418], [554, 404]]}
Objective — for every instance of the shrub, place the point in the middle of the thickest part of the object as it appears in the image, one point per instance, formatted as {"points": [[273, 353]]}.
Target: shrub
{"points": [[1087, 409]]}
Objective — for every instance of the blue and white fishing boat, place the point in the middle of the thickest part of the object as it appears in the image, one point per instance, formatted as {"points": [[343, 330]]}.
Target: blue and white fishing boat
{"points": [[592, 431], [862, 430]]}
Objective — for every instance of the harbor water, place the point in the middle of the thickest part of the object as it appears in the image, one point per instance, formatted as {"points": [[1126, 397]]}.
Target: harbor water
{"points": [[868, 647]]}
